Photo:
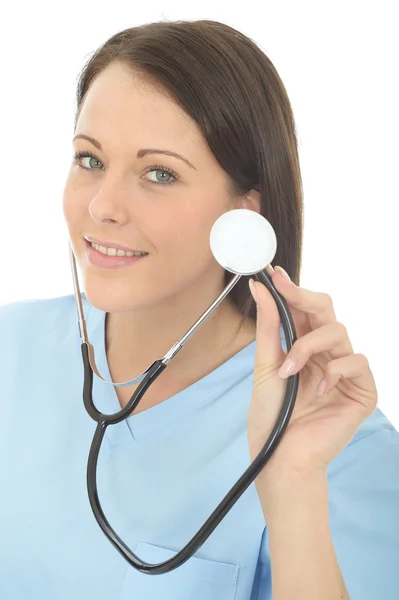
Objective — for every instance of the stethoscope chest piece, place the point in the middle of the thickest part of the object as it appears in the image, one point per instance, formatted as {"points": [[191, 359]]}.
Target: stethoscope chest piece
{"points": [[243, 241]]}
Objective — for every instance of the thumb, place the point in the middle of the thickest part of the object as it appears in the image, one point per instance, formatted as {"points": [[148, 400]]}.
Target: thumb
{"points": [[269, 354]]}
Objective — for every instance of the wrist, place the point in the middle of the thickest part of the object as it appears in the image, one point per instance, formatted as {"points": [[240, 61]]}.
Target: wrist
{"points": [[277, 494]]}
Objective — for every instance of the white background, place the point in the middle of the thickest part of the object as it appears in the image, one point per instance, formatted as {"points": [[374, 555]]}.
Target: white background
{"points": [[339, 63]]}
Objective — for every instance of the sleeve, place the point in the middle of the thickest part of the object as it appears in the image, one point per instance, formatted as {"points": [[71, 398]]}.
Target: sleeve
{"points": [[363, 484]]}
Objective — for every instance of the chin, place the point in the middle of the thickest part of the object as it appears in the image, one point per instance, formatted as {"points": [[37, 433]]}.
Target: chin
{"points": [[108, 298]]}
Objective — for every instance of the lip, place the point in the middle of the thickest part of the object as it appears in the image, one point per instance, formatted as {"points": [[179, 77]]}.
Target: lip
{"points": [[111, 245], [103, 261]]}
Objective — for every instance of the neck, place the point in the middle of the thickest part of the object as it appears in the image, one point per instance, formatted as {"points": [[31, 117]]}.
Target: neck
{"points": [[135, 339]]}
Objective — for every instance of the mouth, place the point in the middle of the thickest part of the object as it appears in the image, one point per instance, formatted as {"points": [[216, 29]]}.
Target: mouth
{"points": [[112, 251], [112, 258]]}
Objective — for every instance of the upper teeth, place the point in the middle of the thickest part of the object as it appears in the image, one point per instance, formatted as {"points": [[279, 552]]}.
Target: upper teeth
{"points": [[115, 252]]}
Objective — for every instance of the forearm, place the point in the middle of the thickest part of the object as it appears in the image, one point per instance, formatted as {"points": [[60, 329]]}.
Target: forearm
{"points": [[303, 560]]}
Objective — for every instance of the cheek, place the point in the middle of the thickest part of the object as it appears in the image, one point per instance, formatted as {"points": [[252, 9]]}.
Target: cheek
{"points": [[73, 207], [185, 239]]}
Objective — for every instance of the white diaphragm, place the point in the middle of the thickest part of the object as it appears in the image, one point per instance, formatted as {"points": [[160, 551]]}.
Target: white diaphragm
{"points": [[243, 241]]}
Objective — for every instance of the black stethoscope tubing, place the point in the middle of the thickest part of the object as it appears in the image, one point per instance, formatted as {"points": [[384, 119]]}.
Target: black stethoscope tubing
{"points": [[103, 421]]}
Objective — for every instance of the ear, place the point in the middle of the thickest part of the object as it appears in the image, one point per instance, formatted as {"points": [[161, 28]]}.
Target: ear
{"points": [[251, 201]]}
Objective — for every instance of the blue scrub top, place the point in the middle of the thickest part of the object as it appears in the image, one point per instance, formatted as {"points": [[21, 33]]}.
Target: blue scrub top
{"points": [[161, 473]]}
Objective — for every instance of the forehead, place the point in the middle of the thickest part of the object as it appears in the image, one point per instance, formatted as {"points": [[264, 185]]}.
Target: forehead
{"points": [[120, 105]]}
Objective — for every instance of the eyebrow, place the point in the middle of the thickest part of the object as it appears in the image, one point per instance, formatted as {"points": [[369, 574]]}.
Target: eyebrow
{"points": [[140, 153]]}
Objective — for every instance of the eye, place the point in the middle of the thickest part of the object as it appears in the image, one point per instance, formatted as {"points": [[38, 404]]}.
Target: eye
{"points": [[170, 178], [80, 155]]}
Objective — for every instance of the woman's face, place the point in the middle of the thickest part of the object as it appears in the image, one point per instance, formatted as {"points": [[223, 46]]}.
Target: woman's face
{"points": [[131, 200]]}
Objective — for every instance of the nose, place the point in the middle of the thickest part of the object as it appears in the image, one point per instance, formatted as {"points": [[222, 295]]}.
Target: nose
{"points": [[110, 205]]}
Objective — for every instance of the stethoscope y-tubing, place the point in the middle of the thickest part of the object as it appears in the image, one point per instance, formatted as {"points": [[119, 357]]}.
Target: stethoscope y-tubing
{"points": [[236, 491]]}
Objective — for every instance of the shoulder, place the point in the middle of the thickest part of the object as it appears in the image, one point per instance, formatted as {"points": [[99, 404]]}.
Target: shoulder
{"points": [[378, 422], [35, 317], [363, 510], [372, 452]]}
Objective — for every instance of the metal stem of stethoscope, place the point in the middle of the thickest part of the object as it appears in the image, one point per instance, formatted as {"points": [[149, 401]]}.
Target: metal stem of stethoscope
{"points": [[242, 241]]}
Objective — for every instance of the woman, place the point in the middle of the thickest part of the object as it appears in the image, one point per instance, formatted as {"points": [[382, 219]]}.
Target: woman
{"points": [[176, 124]]}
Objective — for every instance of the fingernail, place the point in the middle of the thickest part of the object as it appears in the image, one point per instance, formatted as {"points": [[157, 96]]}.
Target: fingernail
{"points": [[253, 291], [286, 368], [269, 269], [283, 272]]}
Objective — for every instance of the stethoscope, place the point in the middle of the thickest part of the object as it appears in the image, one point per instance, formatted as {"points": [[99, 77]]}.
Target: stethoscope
{"points": [[244, 243]]}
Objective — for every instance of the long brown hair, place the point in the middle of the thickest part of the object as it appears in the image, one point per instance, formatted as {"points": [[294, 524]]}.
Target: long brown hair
{"points": [[231, 89]]}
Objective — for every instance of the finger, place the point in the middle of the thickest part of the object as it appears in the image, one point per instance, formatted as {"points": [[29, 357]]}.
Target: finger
{"points": [[269, 353], [316, 306], [356, 370], [332, 338]]}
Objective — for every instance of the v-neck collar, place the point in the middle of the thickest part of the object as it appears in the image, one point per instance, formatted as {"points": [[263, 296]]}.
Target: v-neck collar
{"points": [[147, 421]]}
